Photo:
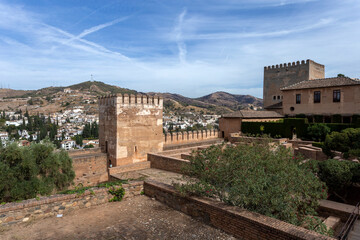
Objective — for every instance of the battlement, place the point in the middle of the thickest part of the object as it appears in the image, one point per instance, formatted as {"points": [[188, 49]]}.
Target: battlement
{"points": [[130, 100], [286, 65]]}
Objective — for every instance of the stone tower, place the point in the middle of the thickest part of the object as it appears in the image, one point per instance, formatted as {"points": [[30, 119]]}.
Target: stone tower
{"points": [[279, 76], [130, 127]]}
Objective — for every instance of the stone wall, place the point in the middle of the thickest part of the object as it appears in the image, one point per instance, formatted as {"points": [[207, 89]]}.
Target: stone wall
{"points": [[166, 163], [278, 76], [130, 127], [240, 223], [12, 213], [189, 136], [90, 166]]}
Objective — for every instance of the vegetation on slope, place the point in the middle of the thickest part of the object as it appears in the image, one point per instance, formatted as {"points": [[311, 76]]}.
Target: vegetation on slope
{"points": [[262, 178]]}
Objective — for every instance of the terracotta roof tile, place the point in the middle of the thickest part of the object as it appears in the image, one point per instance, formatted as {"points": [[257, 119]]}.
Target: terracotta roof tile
{"points": [[321, 83]]}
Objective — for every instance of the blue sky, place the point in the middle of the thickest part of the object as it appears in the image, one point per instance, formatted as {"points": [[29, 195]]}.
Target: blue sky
{"points": [[188, 47]]}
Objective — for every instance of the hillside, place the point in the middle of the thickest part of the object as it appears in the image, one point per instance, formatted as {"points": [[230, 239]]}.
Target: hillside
{"points": [[93, 87], [218, 102], [8, 93], [85, 93], [232, 101]]}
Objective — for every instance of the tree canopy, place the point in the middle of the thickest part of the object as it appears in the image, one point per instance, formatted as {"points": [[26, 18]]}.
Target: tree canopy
{"points": [[262, 177], [38, 169]]}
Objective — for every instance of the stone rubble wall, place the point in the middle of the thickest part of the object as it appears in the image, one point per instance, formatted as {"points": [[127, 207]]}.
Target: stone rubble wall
{"points": [[18, 212]]}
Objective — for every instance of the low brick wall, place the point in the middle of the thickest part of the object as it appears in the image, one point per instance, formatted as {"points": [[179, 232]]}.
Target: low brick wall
{"points": [[296, 143], [233, 220], [166, 163], [90, 169], [85, 151], [330, 208], [12, 213]]}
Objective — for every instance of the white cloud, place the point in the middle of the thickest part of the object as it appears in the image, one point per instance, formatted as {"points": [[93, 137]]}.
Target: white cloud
{"points": [[194, 53]]}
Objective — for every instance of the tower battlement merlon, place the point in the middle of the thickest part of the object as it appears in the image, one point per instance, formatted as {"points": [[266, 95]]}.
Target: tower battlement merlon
{"points": [[287, 65], [131, 100], [107, 99]]}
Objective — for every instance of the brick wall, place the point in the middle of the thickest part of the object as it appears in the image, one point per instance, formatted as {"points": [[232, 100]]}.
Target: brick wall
{"points": [[90, 167], [330, 208], [233, 220], [170, 164], [13, 213]]}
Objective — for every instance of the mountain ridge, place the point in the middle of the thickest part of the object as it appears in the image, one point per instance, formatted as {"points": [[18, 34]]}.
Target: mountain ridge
{"points": [[214, 103]]}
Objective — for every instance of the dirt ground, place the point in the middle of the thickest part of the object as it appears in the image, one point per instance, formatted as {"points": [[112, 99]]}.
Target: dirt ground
{"points": [[134, 218]]}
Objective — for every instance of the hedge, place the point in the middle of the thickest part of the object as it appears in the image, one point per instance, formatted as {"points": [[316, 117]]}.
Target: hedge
{"points": [[284, 128]]}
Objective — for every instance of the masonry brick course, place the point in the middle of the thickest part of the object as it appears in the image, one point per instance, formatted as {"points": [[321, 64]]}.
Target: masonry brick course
{"points": [[238, 222], [90, 167]]}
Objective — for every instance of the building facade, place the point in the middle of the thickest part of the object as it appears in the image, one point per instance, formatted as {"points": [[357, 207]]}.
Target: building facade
{"points": [[325, 97], [279, 76]]}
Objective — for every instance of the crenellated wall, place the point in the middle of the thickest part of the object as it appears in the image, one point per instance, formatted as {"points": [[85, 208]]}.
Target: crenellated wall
{"points": [[189, 136], [130, 127]]}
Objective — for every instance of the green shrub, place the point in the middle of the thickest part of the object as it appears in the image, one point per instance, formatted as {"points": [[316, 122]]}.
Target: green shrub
{"points": [[336, 174], [354, 153], [338, 127], [118, 193], [89, 146], [300, 116], [336, 118], [355, 118], [266, 180], [318, 131], [343, 141], [26, 172], [318, 144], [318, 118]]}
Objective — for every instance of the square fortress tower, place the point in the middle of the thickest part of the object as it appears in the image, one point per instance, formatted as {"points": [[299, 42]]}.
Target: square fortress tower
{"points": [[283, 75], [130, 127]]}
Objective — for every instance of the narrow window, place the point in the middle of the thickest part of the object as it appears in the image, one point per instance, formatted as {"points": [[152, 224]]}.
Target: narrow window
{"points": [[336, 96], [274, 97], [317, 96], [278, 97], [298, 98]]}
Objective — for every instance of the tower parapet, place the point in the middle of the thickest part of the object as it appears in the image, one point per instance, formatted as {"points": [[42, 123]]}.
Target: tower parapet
{"points": [[133, 100], [287, 65]]}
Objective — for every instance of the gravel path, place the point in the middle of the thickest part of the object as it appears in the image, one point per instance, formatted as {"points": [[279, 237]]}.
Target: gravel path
{"points": [[135, 218]]}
